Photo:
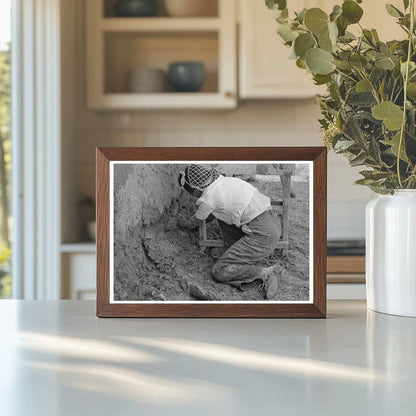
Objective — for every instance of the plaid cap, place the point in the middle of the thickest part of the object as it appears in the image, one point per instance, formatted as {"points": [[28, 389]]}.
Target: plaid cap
{"points": [[198, 176]]}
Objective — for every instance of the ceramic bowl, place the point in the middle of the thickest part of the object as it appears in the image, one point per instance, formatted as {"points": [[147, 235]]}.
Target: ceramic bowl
{"points": [[135, 8], [147, 80], [186, 76]]}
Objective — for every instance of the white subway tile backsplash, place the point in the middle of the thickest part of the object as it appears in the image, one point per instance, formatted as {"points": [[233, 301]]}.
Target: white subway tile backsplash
{"points": [[166, 138], [148, 120]]}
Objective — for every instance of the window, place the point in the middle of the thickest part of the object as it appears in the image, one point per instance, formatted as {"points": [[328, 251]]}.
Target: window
{"points": [[5, 145]]}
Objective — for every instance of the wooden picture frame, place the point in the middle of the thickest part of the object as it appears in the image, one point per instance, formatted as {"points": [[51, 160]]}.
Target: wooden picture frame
{"points": [[315, 308]]}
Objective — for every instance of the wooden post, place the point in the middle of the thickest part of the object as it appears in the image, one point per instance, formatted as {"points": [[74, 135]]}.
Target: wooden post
{"points": [[203, 230], [286, 179]]}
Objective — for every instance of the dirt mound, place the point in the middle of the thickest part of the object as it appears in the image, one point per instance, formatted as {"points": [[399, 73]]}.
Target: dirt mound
{"points": [[164, 261]]}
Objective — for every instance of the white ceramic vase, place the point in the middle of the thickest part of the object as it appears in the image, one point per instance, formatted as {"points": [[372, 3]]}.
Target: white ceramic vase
{"points": [[391, 253]]}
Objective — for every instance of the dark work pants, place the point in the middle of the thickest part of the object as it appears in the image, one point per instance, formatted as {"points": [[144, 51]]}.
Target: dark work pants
{"points": [[249, 244]]}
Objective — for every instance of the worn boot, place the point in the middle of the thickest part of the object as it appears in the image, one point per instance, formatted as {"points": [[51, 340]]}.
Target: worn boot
{"points": [[271, 276]]}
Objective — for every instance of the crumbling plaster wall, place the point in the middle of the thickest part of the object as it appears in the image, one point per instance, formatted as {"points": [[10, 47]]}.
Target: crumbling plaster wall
{"points": [[143, 193]]}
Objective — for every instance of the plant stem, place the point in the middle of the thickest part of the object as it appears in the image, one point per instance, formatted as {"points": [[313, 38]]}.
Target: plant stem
{"points": [[373, 90], [345, 75], [406, 80]]}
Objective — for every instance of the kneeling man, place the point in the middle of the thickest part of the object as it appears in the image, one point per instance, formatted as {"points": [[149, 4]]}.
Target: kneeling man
{"points": [[250, 230]]}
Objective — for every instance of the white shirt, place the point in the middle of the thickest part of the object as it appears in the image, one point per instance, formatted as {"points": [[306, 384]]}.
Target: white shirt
{"points": [[232, 200]]}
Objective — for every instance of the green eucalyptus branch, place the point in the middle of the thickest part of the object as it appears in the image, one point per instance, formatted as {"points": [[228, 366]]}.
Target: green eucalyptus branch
{"points": [[364, 116]]}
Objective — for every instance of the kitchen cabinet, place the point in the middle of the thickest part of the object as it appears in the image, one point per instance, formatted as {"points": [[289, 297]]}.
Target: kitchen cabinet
{"points": [[116, 46], [265, 70], [78, 263]]}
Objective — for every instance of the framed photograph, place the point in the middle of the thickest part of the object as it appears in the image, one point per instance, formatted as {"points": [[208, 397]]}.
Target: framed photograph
{"points": [[211, 232]]}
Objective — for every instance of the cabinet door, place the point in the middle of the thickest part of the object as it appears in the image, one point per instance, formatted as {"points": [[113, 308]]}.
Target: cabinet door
{"points": [[78, 276], [265, 68]]}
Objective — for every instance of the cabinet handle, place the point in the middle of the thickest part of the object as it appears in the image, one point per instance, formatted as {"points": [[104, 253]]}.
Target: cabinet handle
{"points": [[228, 94]]}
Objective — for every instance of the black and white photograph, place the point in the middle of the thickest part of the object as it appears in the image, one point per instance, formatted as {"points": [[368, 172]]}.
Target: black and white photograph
{"points": [[211, 232]]}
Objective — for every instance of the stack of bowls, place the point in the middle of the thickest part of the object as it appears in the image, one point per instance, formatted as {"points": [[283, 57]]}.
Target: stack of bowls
{"points": [[147, 80]]}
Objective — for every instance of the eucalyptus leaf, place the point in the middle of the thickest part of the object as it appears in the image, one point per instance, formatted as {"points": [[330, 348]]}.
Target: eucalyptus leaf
{"points": [[364, 181], [325, 42], [342, 25], [385, 63], [321, 79], [363, 86], [377, 74], [411, 90], [391, 114], [316, 20], [283, 19], [396, 71], [412, 67], [358, 160], [319, 61], [300, 17], [368, 35], [336, 12], [374, 150], [333, 32], [393, 11], [351, 11], [286, 32], [358, 61], [375, 175], [361, 99], [353, 130], [301, 63], [375, 35], [276, 4], [343, 65], [303, 43], [348, 37], [343, 145]]}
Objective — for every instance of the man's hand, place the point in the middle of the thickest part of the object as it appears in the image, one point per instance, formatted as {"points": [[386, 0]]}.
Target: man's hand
{"points": [[190, 223]]}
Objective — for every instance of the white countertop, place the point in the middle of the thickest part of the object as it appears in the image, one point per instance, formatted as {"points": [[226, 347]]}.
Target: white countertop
{"points": [[57, 359]]}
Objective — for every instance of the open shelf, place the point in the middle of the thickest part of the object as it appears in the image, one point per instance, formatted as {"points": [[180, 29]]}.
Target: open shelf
{"points": [[195, 101], [116, 46], [160, 24], [127, 51]]}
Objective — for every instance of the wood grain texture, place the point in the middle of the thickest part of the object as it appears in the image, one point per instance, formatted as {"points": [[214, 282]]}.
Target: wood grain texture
{"points": [[319, 229], [317, 309]]}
